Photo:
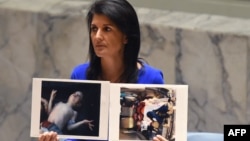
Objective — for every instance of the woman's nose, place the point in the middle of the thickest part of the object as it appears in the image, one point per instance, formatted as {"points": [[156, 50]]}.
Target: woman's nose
{"points": [[99, 35]]}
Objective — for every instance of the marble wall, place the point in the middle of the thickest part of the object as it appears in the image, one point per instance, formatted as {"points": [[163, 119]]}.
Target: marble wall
{"points": [[48, 38], [211, 55]]}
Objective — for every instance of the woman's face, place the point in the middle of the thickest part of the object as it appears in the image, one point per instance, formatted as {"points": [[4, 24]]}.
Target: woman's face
{"points": [[106, 37]]}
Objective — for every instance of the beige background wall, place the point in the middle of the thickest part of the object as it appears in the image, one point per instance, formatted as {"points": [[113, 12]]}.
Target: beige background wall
{"points": [[232, 8]]}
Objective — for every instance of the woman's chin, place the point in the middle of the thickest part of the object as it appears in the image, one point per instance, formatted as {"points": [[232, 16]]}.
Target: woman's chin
{"points": [[100, 54]]}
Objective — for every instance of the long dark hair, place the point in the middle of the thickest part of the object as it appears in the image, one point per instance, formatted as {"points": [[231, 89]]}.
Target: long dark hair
{"points": [[124, 16]]}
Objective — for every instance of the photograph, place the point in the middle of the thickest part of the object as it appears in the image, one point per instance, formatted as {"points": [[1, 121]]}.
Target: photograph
{"points": [[148, 110], [70, 108]]}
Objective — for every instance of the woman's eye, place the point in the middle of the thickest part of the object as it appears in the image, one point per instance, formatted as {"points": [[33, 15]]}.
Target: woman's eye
{"points": [[107, 29], [93, 29]]}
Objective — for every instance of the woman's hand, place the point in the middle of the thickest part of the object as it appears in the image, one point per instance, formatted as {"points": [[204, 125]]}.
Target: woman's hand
{"points": [[159, 138], [48, 136]]}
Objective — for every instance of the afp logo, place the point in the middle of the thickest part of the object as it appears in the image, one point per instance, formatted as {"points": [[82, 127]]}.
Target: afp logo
{"points": [[238, 132]]}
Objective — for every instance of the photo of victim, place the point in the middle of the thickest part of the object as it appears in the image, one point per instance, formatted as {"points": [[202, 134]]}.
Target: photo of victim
{"points": [[146, 112], [70, 108]]}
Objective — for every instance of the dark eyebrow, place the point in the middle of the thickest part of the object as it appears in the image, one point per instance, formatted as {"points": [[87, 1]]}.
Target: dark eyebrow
{"points": [[103, 25]]}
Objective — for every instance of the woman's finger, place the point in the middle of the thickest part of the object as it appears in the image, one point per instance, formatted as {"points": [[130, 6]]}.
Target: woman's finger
{"points": [[48, 136]]}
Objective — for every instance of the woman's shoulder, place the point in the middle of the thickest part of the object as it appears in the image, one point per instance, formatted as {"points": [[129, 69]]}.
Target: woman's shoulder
{"points": [[81, 66], [79, 71], [150, 75], [150, 70]]}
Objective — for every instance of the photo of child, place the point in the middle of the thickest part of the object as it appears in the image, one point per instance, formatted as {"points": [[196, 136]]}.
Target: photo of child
{"points": [[71, 108], [147, 112]]}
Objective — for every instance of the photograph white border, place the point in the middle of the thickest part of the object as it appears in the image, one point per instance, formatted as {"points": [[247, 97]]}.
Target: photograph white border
{"points": [[181, 109], [36, 106]]}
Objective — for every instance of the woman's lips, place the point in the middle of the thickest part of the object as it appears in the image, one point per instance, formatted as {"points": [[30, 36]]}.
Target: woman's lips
{"points": [[100, 46]]}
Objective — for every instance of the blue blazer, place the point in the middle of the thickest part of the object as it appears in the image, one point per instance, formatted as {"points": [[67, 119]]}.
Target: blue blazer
{"points": [[147, 74]]}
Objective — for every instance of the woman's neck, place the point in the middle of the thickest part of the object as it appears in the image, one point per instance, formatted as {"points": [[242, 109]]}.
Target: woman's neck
{"points": [[112, 70]]}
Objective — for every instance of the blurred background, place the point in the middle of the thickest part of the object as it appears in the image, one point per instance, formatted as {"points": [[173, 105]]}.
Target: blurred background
{"points": [[232, 8]]}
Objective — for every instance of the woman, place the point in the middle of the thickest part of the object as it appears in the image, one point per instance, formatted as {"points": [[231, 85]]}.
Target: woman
{"points": [[114, 46], [114, 35]]}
